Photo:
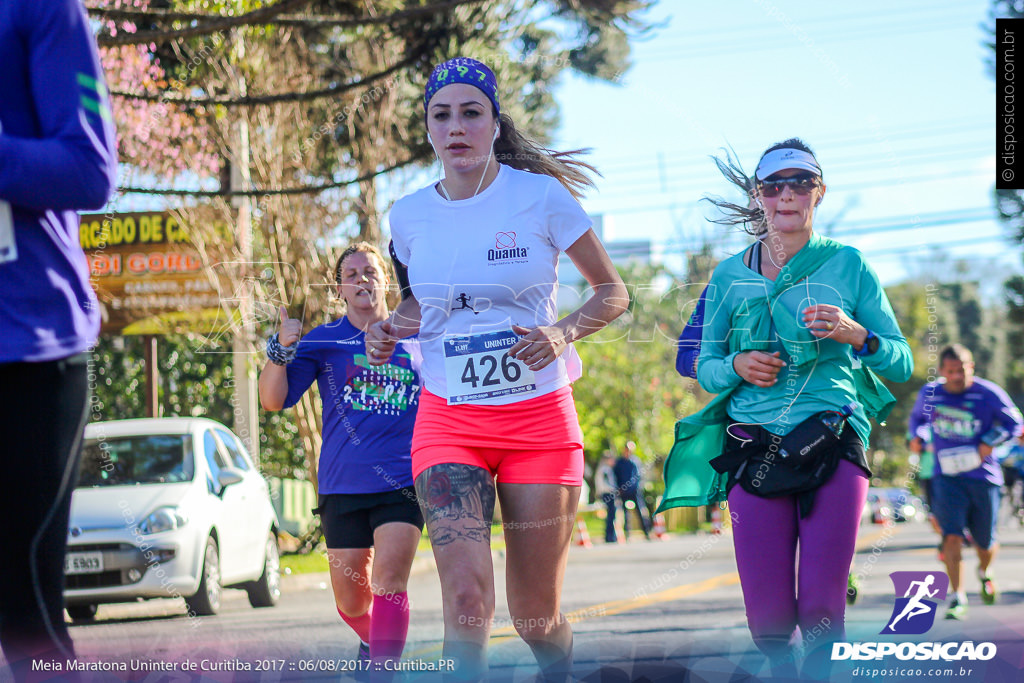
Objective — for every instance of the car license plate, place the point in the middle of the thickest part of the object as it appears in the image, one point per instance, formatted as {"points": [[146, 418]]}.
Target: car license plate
{"points": [[83, 563]]}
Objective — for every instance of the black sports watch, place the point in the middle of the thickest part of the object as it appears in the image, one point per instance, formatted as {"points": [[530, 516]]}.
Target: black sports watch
{"points": [[871, 344]]}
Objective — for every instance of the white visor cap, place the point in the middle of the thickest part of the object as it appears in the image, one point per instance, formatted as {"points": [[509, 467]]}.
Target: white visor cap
{"points": [[781, 159]]}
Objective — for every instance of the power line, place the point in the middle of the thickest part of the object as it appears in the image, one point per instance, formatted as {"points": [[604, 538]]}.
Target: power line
{"points": [[903, 10], [864, 228], [899, 251], [715, 49], [700, 167], [304, 189]]}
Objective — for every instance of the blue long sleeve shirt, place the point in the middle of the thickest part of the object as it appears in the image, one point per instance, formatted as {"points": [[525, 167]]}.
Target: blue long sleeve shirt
{"points": [[688, 347], [57, 155]]}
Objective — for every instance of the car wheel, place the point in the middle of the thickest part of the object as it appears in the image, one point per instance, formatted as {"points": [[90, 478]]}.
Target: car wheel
{"points": [[79, 613], [206, 601], [266, 591]]}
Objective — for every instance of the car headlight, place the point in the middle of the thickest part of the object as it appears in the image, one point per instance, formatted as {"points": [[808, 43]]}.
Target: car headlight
{"points": [[163, 519], [909, 511]]}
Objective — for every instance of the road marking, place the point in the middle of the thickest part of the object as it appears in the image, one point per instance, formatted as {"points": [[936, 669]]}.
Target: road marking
{"points": [[607, 609], [863, 541]]}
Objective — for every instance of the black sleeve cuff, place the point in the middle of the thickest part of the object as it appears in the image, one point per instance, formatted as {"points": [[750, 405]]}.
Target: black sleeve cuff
{"points": [[401, 272]]}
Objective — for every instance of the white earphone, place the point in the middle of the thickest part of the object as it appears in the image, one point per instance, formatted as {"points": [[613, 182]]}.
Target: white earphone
{"points": [[497, 132]]}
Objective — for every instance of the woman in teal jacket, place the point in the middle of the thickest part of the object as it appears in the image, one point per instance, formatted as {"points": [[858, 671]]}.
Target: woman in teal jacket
{"points": [[794, 326]]}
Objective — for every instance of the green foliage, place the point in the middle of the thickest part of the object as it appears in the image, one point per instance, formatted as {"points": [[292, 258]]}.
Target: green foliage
{"points": [[630, 389], [935, 315], [315, 141], [1010, 205], [1013, 298], [928, 322]]}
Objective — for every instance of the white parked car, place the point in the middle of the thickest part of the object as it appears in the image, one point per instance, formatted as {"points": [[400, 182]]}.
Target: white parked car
{"points": [[164, 508]]}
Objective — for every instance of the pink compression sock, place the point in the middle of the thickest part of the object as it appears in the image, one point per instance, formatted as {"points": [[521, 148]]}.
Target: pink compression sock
{"points": [[390, 625], [360, 624]]}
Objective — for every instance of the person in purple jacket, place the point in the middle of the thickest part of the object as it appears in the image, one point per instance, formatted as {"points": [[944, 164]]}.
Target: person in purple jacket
{"points": [[57, 155], [688, 346], [368, 508], [967, 416]]}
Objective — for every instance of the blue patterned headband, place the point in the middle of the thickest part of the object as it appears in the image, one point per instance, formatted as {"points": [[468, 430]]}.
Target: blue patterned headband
{"points": [[462, 70]]}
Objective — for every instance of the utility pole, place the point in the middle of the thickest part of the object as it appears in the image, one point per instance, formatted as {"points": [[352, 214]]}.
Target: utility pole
{"points": [[247, 425]]}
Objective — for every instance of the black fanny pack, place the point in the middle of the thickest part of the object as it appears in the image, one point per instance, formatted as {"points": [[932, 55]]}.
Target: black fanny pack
{"points": [[771, 466]]}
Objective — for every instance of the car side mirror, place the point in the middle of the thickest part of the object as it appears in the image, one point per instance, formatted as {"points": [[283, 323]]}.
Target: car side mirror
{"points": [[228, 476]]}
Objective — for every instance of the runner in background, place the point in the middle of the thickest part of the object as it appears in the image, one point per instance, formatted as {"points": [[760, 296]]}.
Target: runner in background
{"points": [[480, 250], [629, 480], [368, 509], [968, 416], [607, 491], [57, 155], [922, 447]]}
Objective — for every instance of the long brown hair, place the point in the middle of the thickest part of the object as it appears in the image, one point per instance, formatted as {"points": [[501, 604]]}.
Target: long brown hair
{"points": [[514, 149]]}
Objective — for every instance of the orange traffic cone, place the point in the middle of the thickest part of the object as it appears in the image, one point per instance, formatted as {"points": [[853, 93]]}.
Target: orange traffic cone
{"points": [[582, 536], [716, 520], [659, 527]]}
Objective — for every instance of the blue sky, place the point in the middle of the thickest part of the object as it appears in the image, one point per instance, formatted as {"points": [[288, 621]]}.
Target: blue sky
{"points": [[895, 99]]}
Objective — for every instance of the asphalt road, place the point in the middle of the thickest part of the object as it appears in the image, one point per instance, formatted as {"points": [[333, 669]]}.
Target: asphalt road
{"points": [[663, 610]]}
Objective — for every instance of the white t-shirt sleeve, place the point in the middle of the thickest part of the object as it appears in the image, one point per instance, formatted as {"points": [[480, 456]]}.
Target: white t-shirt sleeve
{"points": [[566, 219], [398, 235]]}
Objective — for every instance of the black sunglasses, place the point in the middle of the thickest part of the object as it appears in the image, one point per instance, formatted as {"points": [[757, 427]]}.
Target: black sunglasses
{"points": [[801, 185]]}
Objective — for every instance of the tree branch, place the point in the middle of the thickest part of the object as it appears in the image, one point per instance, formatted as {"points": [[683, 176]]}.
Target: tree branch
{"points": [[265, 15], [253, 100]]}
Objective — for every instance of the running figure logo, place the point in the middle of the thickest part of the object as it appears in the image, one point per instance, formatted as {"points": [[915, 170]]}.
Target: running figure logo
{"points": [[463, 299], [914, 613]]}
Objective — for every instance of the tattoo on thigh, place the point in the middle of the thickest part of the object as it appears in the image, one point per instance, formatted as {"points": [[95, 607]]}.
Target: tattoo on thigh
{"points": [[457, 502]]}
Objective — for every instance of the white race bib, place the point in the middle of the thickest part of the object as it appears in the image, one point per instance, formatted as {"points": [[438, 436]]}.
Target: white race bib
{"points": [[8, 247], [477, 367], [953, 461]]}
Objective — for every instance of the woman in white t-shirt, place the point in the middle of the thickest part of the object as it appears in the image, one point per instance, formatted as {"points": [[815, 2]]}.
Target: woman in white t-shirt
{"points": [[477, 255]]}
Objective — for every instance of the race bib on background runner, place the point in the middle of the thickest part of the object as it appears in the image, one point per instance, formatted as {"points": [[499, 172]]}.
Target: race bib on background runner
{"points": [[8, 247], [477, 367], [959, 459]]}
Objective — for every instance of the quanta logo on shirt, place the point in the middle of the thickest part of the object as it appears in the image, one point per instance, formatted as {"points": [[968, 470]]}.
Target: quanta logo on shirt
{"points": [[505, 250]]}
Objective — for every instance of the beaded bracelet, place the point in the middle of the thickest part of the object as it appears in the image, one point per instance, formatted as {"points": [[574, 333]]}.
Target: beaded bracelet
{"points": [[280, 355]]}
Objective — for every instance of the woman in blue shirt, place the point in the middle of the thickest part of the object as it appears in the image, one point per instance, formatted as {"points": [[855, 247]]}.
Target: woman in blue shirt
{"points": [[368, 507]]}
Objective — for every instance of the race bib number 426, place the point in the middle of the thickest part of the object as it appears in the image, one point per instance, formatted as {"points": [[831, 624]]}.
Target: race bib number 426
{"points": [[477, 367]]}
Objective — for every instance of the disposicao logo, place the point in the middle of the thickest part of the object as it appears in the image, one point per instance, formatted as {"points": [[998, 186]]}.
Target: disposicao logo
{"points": [[923, 592], [918, 595]]}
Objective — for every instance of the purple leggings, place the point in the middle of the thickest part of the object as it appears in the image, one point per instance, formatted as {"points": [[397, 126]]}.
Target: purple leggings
{"points": [[766, 531]]}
